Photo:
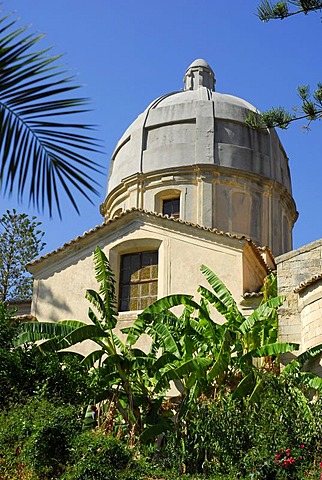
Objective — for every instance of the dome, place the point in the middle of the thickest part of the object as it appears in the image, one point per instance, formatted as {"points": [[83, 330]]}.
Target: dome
{"points": [[200, 133], [172, 116], [199, 62]]}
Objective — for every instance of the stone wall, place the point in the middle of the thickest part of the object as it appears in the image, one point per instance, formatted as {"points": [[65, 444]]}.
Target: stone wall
{"points": [[300, 318]]}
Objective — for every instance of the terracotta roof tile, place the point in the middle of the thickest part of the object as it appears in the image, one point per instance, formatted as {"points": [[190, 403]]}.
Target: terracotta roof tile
{"points": [[252, 294], [308, 282], [105, 224]]}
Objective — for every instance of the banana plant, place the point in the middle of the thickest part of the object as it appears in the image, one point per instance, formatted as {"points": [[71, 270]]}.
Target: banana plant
{"points": [[202, 356], [190, 350], [123, 374]]}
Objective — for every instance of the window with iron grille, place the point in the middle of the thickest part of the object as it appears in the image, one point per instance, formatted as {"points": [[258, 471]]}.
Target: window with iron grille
{"points": [[171, 207], [138, 286]]}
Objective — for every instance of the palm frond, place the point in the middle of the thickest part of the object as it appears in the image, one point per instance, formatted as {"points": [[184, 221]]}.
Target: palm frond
{"points": [[39, 157]]}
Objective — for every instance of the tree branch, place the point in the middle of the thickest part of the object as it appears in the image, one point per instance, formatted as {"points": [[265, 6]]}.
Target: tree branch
{"points": [[279, 10]]}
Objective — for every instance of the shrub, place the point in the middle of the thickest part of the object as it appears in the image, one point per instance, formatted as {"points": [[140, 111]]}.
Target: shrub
{"points": [[233, 438], [96, 456], [35, 439], [26, 372]]}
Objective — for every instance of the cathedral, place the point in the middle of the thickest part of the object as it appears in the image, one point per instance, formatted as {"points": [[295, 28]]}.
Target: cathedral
{"points": [[190, 183]]}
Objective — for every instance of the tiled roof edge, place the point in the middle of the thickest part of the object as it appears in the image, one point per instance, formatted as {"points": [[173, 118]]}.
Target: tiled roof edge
{"points": [[308, 282], [252, 294], [154, 214]]}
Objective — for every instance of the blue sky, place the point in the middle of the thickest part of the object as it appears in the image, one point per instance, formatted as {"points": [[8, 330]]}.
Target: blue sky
{"points": [[126, 53]]}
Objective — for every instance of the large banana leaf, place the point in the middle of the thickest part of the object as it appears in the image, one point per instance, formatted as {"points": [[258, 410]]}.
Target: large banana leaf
{"points": [[151, 432], [246, 385], [272, 349], [263, 312], [166, 339], [42, 149], [90, 360], [309, 354], [154, 314], [104, 300], [221, 291], [223, 358], [221, 298], [81, 334], [179, 369], [34, 331], [299, 362]]}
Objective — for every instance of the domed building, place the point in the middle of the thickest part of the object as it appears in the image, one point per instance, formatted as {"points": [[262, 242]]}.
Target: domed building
{"points": [[191, 155], [190, 183]]}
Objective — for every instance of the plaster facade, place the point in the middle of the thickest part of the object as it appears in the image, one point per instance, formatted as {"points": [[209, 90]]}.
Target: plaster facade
{"points": [[61, 279]]}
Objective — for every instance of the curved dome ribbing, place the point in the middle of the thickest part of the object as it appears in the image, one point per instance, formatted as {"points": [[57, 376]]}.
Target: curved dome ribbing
{"points": [[196, 142]]}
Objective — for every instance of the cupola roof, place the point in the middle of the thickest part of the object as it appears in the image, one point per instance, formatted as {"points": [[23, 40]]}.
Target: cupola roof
{"points": [[199, 74]]}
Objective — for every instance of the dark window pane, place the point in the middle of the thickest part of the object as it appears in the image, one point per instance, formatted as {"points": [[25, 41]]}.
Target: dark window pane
{"points": [[125, 276], [126, 261], [124, 305], [135, 261], [171, 207], [124, 291]]}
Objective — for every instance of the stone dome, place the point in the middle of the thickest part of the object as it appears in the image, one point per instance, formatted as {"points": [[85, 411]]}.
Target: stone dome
{"points": [[195, 144]]}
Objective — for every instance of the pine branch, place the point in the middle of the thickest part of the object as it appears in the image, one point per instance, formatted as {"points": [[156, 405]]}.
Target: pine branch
{"points": [[311, 109], [279, 10], [257, 120]]}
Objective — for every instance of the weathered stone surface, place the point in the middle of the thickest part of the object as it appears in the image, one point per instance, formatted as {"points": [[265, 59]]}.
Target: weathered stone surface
{"points": [[298, 274]]}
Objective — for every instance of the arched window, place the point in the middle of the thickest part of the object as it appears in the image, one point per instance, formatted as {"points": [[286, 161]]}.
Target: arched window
{"points": [[167, 202], [138, 285]]}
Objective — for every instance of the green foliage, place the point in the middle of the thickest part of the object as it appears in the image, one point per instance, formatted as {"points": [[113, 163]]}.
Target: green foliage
{"points": [[123, 377], [275, 117], [311, 105], [42, 148], [35, 437], [20, 242], [25, 372], [311, 109], [235, 415], [270, 11], [227, 438], [96, 456], [192, 351], [9, 329]]}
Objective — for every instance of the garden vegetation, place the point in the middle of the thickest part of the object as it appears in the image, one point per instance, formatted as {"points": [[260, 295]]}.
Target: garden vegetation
{"points": [[207, 400]]}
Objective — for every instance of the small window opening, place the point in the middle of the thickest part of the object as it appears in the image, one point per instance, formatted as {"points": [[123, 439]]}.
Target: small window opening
{"points": [[171, 207]]}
